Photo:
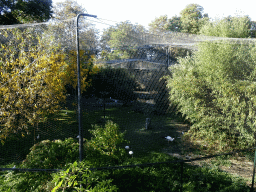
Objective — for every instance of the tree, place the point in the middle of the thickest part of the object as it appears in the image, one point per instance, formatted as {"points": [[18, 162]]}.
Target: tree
{"points": [[174, 24], [160, 24], [24, 11], [163, 24], [31, 81], [236, 27], [67, 30], [192, 18], [88, 40], [215, 90], [67, 10], [121, 41]]}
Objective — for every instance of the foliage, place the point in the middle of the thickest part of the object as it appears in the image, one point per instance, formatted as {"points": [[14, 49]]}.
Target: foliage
{"points": [[52, 154], [64, 27], [120, 41], [78, 174], [23, 182], [236, 27], [160, 24], [175, 24], [163, 24], [34, 76], [22, 11], [215, 90], [105, 143], [118, 83], [67, 10], [87, 70], [192, 18], [28, 93], [163, 177]]}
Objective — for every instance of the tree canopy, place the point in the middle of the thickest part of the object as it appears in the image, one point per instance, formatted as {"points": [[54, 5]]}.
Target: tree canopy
{"points": [[24, 11], [67, 10], [236, 27], [193, 18], [160, 24], [120, 41], [215, 90]]}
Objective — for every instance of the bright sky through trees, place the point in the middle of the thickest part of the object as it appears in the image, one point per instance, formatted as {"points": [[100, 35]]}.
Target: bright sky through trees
{"points": [[143, 12]]}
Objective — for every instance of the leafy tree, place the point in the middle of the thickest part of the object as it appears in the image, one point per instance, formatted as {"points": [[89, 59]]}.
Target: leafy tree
{"points": [[31, 81], [175, 24], [160, 24], [163, 24], [23, 11], [215, 90], [192, 18], [67, 30], [34, 73], [236, 27], [63, 31], [67, 10], [120, 41]]}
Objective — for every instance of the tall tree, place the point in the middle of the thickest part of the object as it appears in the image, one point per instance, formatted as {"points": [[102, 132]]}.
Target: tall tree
{"points": [[120, 41], [67, 10], [24, 11], [163, 24], [192, 18], [160, 24], [236, 27], [174, 24]]}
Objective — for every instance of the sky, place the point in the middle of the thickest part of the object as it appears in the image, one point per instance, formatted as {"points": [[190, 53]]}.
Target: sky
{"points": [[144, 11]]}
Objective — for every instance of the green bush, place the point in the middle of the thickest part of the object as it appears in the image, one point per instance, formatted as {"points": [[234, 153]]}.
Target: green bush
{"points": [[52, 154], [78, 177], [215, 90], [104, 146]]}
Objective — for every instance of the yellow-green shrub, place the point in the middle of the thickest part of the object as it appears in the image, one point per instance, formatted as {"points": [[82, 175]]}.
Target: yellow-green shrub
{"points": [[34, 72]]}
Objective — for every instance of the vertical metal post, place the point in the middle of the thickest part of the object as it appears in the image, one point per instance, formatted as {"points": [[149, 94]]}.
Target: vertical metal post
{"points": [[79, 111], [253, 174]]}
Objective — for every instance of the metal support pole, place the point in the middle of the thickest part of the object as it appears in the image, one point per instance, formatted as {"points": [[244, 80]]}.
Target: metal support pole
{"points": [[79, 88]]}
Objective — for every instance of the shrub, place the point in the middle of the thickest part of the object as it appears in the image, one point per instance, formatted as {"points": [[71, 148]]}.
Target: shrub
{"points": [[78, 174], [52, 154], [104, 146], [215, 90]]}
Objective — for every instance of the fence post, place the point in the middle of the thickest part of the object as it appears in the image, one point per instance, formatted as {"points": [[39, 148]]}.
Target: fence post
{"points": [[253, 171]]}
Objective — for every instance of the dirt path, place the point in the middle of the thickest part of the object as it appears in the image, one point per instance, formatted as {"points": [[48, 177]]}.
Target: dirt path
{"points": [[237, 165]]}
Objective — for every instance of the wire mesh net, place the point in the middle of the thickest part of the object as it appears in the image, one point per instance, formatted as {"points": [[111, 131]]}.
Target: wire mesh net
{"points": [[122, 81]]}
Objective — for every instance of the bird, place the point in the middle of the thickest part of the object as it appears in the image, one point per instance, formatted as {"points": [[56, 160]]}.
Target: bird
{"points": [[131, 153], [37, 136], [169, 138], [127, 147]]}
